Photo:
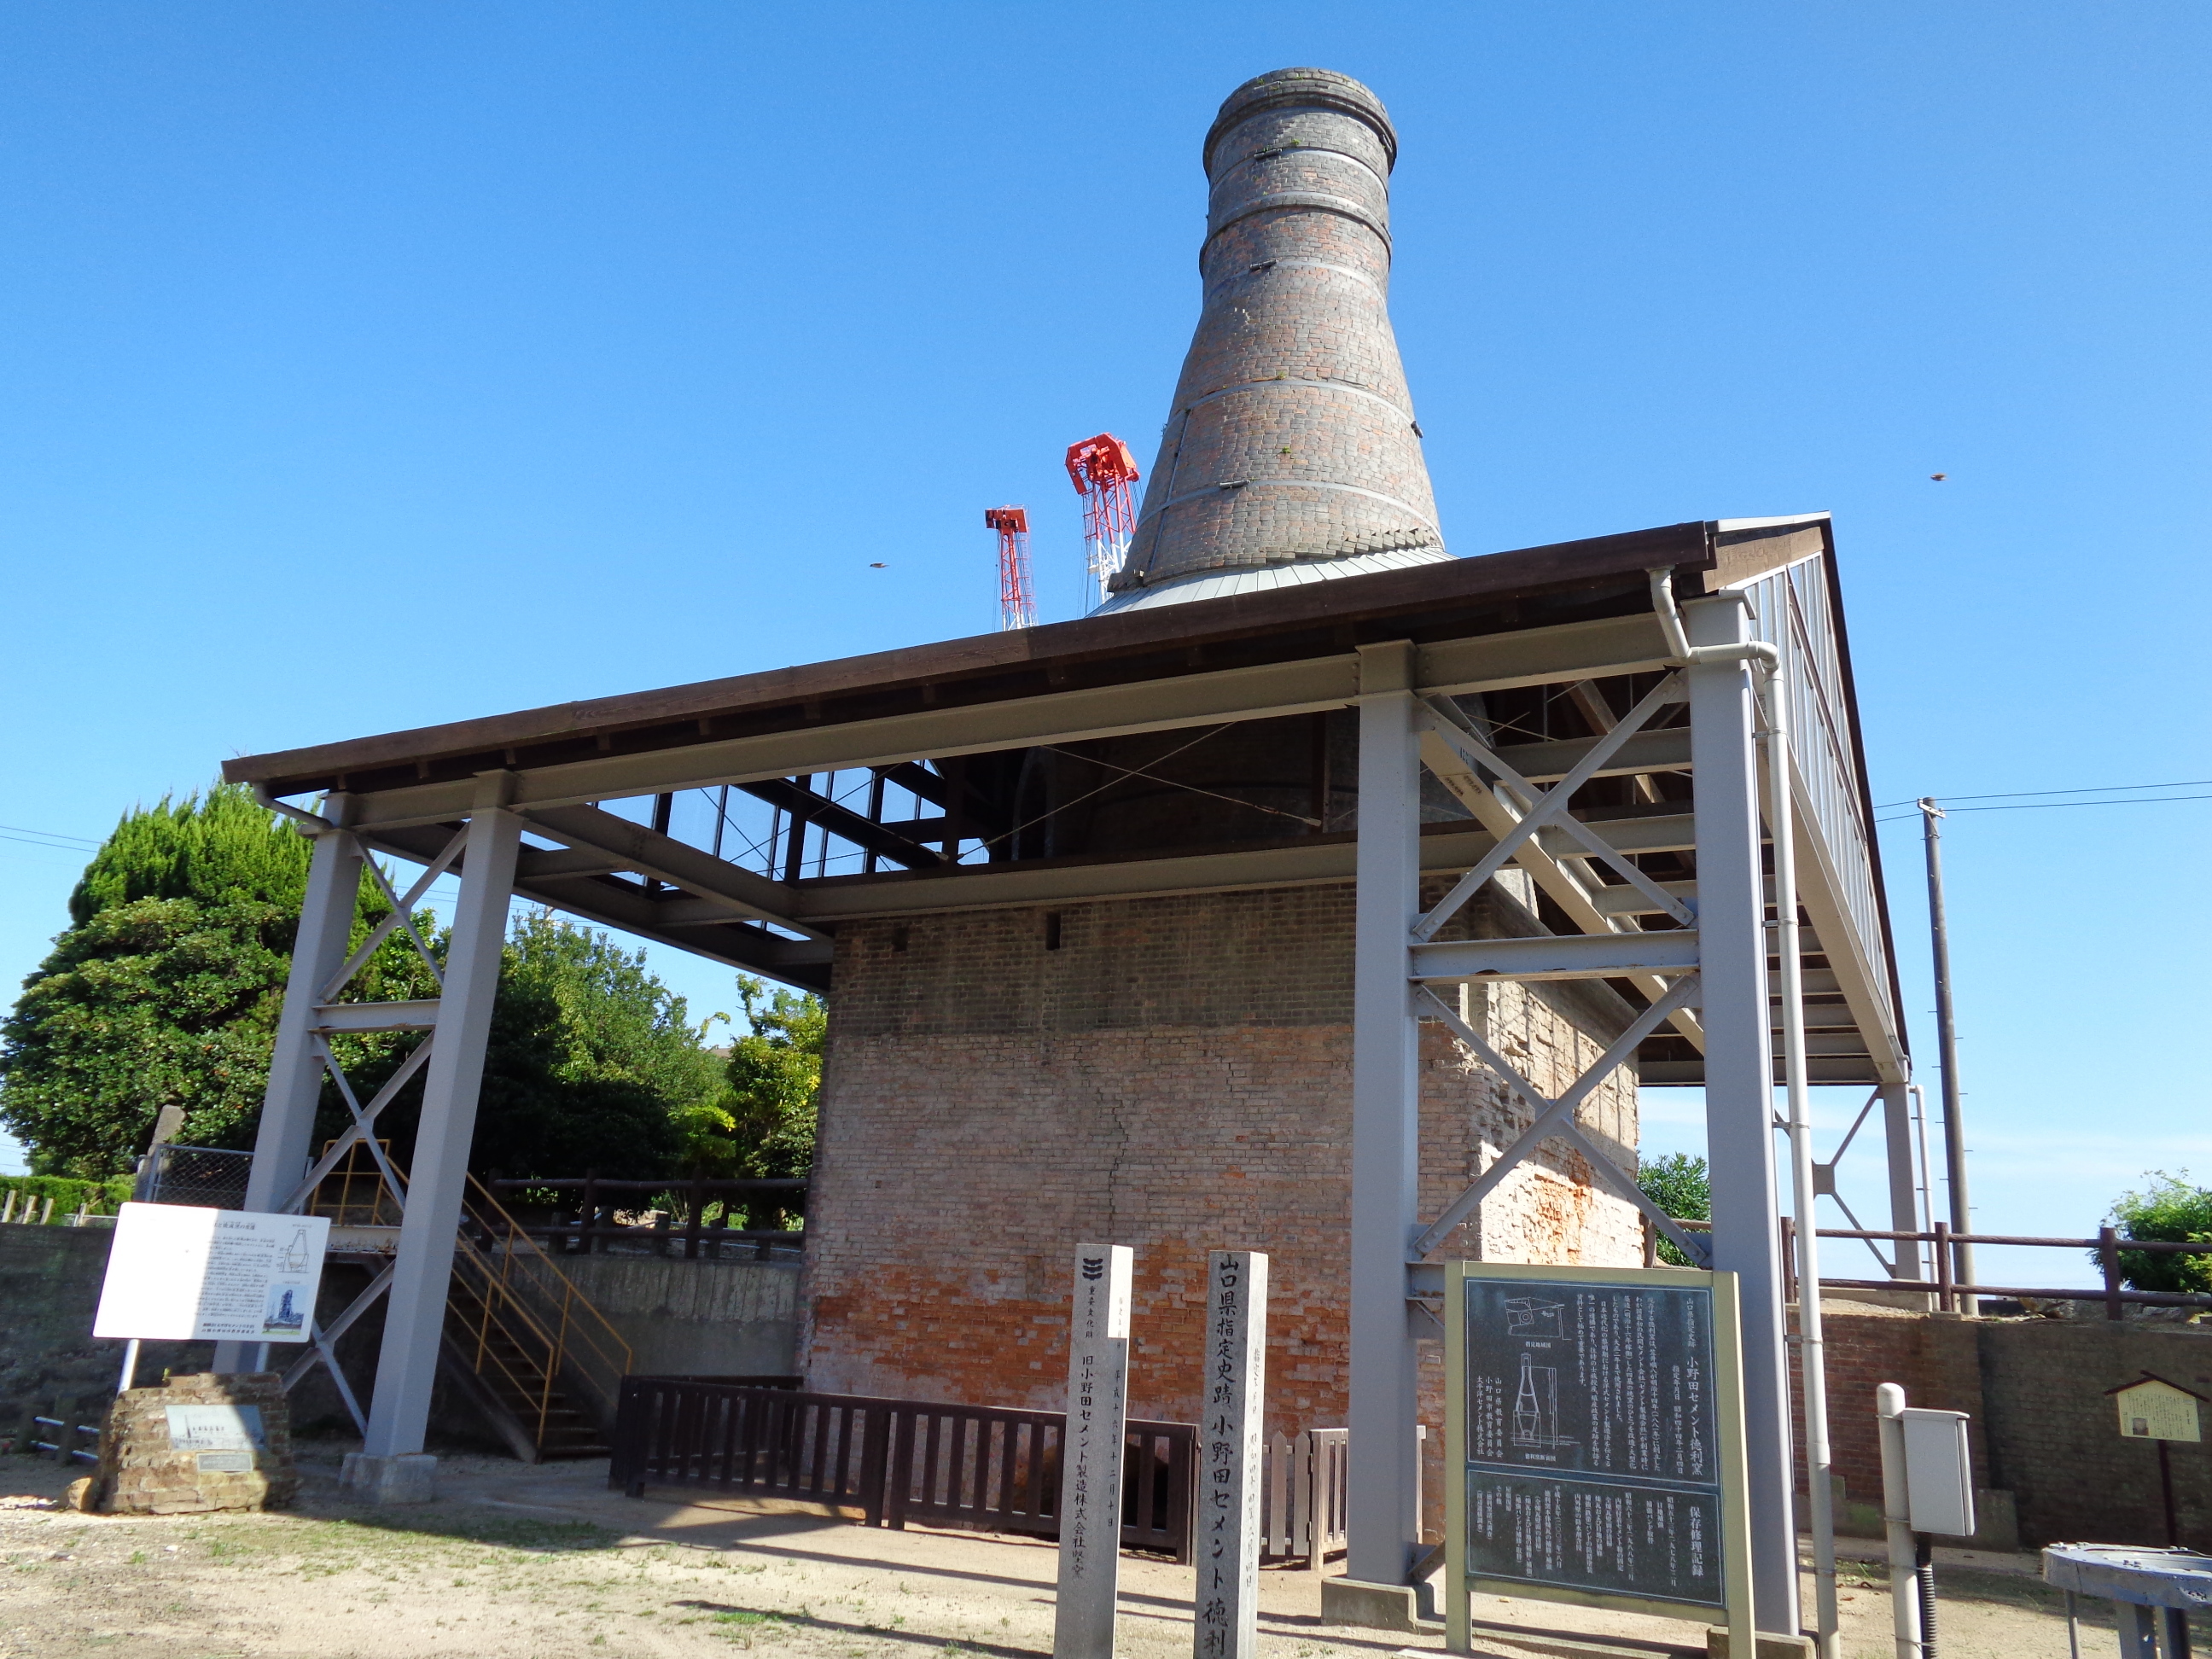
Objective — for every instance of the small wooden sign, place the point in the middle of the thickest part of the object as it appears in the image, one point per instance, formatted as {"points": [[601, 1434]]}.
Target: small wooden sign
{"points": [[2155, 1409]]}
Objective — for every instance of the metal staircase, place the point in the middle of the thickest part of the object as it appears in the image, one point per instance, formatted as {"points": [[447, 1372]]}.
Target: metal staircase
{"points": [[525, 1343], [520, 1343]]}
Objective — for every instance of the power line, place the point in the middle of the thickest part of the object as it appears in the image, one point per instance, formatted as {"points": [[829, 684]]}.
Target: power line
{"points": [[2021, 794], [2038, 806], [47, 835]]}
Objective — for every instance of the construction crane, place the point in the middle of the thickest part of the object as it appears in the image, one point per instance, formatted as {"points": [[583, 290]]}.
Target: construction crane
{"points": [[1016, 602], [1103, 470]]}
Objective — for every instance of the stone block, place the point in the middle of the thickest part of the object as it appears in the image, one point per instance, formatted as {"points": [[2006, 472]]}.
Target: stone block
{"points": [[144, 1470]]}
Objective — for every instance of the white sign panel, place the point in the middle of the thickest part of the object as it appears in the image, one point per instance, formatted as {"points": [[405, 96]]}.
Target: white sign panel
{"points": [[213, 1428], [1227, 1613], [1091, 1453], [179, 1273]]}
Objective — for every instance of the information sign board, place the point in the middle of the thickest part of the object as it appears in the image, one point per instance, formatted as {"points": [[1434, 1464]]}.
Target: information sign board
{"points": [[1595, 1435], [178, 1272]]}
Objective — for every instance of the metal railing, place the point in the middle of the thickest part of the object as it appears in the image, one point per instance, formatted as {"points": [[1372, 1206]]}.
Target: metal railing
{"points": [[353, 1193], [1949, 1291], [985, 1468], [527, 1310]]}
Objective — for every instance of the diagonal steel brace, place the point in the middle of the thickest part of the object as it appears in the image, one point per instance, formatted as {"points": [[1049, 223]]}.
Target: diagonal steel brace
{"points": [[1548, 808], [1552, 1117], [364, 1117]]}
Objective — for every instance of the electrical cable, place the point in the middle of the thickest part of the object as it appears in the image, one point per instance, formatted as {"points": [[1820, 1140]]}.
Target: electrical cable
{"points": [[2038, 806], [46, 836], [2021, 794], [1133, 772]]}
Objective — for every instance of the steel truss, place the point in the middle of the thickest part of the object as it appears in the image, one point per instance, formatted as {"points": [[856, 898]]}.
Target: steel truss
{"points": [[450, 1058], [1701, 953], [1714, 959]]}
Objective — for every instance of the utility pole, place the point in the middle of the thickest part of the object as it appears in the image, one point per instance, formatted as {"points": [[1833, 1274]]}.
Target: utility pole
{"points": [[1947, 1043]]}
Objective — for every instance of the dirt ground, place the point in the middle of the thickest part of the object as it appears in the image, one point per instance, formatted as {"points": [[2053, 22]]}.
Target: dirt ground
{"points": [[545, 1563]]}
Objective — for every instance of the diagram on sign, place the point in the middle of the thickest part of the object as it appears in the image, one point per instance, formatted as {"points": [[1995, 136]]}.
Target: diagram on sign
{"points": [[1534, 1316], [1536, 1406]]}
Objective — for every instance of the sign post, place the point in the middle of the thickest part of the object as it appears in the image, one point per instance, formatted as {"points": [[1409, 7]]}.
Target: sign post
{"points": [[180, 1273], [1594, 1442], [1091, 1453], [1225, 1614], [2155, 1409]]}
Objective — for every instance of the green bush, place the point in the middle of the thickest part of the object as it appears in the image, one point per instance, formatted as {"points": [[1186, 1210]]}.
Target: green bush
{"points": [[1682, 1186], [2171, 1210], [66, 1194]]}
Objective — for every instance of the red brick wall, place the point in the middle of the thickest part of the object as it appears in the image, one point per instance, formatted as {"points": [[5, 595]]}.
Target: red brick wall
{"points": [[1175, 1077], [1935, 1357]]}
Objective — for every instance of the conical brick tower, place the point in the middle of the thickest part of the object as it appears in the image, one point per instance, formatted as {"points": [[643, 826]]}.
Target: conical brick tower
{"points": [[1291, 452]]}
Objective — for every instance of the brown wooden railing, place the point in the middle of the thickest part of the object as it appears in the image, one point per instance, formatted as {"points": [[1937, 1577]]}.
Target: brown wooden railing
{"points": [[985, 1468], [1949, 1291], [589, 1225]]}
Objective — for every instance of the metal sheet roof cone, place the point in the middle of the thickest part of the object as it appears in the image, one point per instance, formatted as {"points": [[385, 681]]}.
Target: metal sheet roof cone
{"points": [[1291, 453]]}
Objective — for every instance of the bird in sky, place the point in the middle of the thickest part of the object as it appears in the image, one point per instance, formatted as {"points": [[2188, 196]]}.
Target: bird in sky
{"points": [[1937, 477], [880, 565]]}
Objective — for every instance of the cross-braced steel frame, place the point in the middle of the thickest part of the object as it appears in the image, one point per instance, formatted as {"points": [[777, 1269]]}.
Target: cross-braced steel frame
{"points": [[1719, 980]]}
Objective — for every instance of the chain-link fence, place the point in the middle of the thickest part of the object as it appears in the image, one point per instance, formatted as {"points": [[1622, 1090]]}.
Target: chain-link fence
{"points": [[204, 1176]]}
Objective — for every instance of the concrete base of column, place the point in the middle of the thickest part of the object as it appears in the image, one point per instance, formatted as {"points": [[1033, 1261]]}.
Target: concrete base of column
{"points": [[410, 1478], [1770, 1646], [1372, 1607]]}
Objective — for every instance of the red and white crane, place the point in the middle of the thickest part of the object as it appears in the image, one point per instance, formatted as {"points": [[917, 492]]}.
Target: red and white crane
{"points": [[1103, 470], [1016, 598]]}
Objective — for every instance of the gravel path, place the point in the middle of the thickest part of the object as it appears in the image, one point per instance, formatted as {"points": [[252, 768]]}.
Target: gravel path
{"points": [[517, 1563]]}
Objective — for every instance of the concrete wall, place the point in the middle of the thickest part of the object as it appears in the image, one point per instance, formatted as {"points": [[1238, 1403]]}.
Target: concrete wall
{"points": [[2045, 1438], [1173, 1074], [716, 1318], [49, 1280], [719, 1317]]}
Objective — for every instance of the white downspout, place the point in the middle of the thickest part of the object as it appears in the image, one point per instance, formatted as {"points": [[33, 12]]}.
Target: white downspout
{"points": [[1820, 1490], [1678, 641], [1819, 1486]]}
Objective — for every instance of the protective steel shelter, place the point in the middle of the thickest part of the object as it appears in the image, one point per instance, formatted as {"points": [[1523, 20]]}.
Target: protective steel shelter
{"points": [[1660, 885]]}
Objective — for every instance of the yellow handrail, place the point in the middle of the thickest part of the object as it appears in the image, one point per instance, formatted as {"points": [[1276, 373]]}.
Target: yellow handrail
{"points": [[574, 1336]]}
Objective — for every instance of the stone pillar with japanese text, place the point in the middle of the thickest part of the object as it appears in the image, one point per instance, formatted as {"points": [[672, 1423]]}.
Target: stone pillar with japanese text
{"points": [[1091, 1452], [1226, 1611]]}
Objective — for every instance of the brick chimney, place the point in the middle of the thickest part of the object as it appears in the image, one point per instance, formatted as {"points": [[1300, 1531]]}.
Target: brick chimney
{"points": [[1292, 450]]}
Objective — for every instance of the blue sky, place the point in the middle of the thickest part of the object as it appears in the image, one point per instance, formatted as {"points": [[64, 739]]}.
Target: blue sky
{"points": [[372, 366]]}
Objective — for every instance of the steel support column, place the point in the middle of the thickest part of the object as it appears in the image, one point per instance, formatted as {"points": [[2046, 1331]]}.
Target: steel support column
{"points": [[408, 1362], [285, 1140], [1739, 1085], [1908, 1260], [1385, 1122]]}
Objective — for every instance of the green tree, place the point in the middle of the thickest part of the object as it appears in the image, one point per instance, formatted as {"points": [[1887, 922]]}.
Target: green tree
{"points": [[164, 993], [1682, 1186], [593, 1063], [763, 1124], [2172, 1211]]}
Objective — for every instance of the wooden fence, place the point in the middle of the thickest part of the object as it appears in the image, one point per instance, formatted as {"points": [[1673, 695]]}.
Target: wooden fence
{"points": [[894, 1461], [1304, 1484]]}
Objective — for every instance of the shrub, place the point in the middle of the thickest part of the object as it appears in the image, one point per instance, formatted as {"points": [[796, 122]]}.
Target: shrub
{"points": [[1682, 1186], [2168, 1209]]}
